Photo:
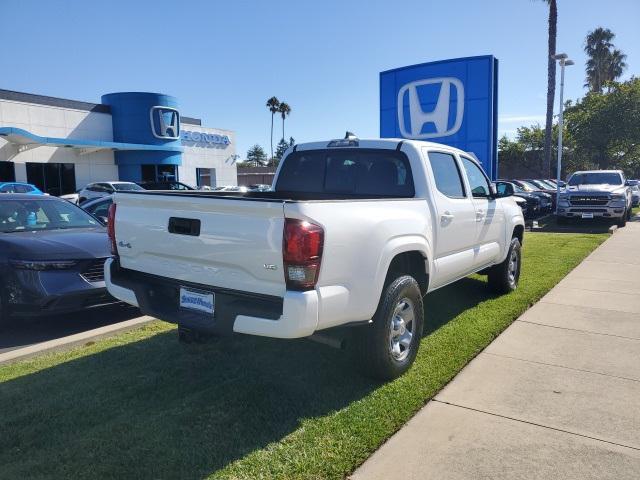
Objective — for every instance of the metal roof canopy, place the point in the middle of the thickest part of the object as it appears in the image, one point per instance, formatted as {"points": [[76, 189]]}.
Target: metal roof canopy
{"points": [[24, 140]]}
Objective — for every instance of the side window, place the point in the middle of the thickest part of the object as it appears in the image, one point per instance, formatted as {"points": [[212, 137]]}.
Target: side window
{"points": [[446, 174], [477, 179], [100, 210], [7, 189]]}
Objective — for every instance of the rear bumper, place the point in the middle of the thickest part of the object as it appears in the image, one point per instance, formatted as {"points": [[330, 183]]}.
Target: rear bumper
{"points": [[293, 316]]}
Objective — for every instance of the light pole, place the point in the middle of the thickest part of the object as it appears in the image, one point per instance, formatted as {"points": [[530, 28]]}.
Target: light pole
{"points": [[563, 58]]}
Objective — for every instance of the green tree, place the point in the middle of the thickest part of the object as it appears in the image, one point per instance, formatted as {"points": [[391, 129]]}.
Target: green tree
{"points": [[285, 111], [273, 104], [256, 156], [281, 148], [551, 81], [605, 63], [605, 127]]}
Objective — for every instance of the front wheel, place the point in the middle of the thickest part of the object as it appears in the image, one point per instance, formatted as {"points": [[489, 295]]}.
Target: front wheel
{"points": [[504, 277], [4, 316], [387, 348], [622, 221]]}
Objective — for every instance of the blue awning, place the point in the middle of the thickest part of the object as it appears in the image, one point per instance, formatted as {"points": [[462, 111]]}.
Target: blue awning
{"points": [[25, 140]]}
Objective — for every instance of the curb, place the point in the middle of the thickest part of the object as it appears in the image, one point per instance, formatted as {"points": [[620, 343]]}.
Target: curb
{"points": [[73, 340], [613, 229]]}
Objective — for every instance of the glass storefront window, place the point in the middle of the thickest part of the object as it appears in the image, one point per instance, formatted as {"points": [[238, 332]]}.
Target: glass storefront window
{"points": [[159, 173], [52, 178], [7, 172], [206, 177]]}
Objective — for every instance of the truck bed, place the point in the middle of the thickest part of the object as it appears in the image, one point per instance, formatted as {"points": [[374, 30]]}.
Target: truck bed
{"points": [[264, 196]]}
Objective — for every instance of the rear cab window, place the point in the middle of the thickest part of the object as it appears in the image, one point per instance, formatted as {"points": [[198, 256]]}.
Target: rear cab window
{"points": [[348, 172]]}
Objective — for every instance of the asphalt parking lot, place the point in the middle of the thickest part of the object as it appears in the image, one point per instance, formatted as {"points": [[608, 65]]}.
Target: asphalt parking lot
{"points": [[23, 332]]}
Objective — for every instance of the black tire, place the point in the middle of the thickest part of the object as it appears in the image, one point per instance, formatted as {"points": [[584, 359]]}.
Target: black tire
{"points": [[503, 278], [622, 221], [4, 314], [629, 213], [375, 344]]}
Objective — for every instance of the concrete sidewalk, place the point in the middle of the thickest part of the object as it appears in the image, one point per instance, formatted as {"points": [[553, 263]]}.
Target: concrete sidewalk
{"points": [[557, 395]]}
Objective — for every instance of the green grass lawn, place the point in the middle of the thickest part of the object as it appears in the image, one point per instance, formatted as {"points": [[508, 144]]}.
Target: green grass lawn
{"points": [[141, 405]]}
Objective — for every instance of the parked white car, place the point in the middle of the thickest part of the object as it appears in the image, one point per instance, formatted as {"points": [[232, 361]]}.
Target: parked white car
{"points": [[354, 234], [102, 189], [231, 188], [71, 197], [635, 193]]}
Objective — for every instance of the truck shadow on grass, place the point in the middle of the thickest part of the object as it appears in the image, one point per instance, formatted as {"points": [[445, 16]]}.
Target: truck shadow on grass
{"points": [[159, 409]]}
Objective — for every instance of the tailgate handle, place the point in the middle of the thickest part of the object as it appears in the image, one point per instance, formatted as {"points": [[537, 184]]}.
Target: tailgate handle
{"points": [[184, 226]]}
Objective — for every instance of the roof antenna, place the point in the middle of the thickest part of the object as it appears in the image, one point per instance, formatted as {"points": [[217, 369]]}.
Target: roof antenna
{"points": [[349, 135]]}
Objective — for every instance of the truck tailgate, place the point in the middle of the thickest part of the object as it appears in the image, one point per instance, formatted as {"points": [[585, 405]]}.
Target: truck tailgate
{"points": [[226, 243]]}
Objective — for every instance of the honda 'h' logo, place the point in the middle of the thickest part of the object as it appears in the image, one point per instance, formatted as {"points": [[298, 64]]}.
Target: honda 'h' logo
{"points": [[165, 123], [439, 116]]}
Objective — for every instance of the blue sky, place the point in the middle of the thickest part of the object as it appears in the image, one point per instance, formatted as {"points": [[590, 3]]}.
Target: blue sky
{"points": [[224, 59]]}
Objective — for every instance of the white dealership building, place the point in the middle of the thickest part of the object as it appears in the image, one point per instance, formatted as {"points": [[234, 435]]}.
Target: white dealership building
{"points": [[61, 145]]}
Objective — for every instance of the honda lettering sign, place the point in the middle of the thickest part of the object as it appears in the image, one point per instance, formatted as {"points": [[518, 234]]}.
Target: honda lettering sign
{"points": [[451, 101]]}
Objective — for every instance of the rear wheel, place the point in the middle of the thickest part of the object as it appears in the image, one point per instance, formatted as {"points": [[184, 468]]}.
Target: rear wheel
{"points": [[504, 277], [387, 348]]}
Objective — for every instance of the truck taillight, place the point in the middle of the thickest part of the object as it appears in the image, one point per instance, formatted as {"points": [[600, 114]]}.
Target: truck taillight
{"points": [[111, 229], [302, 253]]}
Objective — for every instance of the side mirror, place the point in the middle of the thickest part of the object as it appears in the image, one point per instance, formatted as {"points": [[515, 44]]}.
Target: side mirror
{"points": [[562, 184], [503, 189]]}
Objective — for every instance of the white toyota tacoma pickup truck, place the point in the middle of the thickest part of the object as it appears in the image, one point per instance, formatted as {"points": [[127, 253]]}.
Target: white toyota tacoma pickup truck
{"points": [[354, 233]]}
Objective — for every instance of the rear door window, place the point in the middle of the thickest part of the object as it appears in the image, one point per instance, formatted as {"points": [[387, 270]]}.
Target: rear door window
{"points": [[446, 174], [356, 172]]}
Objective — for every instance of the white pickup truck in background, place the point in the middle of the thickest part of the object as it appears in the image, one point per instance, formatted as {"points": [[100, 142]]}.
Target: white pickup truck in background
{"points": [[354, 233]]}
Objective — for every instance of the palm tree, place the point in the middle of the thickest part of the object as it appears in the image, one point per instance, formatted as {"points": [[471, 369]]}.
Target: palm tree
{"points": [[605, 64], [597, 47], [273, 104], [284, 110], [616, 64], [551, 82]]}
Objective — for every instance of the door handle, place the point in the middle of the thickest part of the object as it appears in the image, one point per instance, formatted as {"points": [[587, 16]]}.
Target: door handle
{"points": [[446, 216], [480, 215]]}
